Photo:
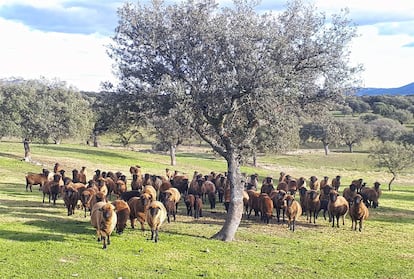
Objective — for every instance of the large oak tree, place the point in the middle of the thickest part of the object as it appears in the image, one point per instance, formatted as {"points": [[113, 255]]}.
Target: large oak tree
{"points": [[230, 71]]}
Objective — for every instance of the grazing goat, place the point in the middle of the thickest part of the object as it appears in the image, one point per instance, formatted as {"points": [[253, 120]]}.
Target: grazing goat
{"points": [[370, 197], [358, 212], [103, 219], [293, 211], [338, 206], [122, 213], [156, 216], [36, 179]]}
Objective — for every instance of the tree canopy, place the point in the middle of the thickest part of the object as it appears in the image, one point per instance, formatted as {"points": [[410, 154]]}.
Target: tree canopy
{"points": [[232, 70], [42, 110], [395, 157]]}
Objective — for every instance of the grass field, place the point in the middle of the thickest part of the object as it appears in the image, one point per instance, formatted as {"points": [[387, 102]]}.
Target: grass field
{"points": [[39, 241]]}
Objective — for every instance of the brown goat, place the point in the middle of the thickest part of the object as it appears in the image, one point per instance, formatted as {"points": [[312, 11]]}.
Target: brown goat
{"points": [[266, 207], [314, 183], [189, 203], [156, 216], [36, 179], [358, 212], [278, 198], [293, 211], [253, 203], [103, 219], [120, 187], [198, 207], [313, 204], [267, 185], [70, 197], [349, 193], [208, 189], [338, 206], [52, 188], [171, 200], [139, 207], [122, 213], [336, 183], [86, 197], [370, 196]]}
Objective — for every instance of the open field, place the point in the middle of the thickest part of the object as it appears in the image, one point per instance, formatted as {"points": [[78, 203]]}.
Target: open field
{"points": [[39, 241]]}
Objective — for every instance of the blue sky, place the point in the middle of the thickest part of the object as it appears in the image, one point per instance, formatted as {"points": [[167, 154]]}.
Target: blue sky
{"points": [[66, 39]]}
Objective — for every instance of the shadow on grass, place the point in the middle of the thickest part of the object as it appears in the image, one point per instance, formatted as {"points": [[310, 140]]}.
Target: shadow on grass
{"points": [[96, 153], [11, 156], [398, 196], [206, 156], [393, 215], [29, 236]]}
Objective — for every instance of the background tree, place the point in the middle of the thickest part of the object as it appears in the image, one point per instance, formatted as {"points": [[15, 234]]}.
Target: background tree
{"points": [[120, 114], [394, 157], [386, 129], [170, 134], [275, 138], [43, 110], [357, 104], [326, 130], [353, 132], [230, 71]]}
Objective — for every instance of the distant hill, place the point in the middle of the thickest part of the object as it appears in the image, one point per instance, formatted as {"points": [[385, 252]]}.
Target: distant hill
{"points": [[403, 90]]}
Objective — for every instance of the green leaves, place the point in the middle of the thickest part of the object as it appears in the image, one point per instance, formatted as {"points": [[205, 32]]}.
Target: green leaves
{"points": [[43, 110]]}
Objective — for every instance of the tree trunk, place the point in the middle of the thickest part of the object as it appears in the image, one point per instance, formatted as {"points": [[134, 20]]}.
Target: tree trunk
{"points": [[350, 148], [172, 154], [254, 160], [326, 148], [391, 181], [27, 154], [235, 212], [95, 140]]}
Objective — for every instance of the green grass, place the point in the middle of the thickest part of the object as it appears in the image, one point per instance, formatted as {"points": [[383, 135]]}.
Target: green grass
{"points": [[39, 241]]}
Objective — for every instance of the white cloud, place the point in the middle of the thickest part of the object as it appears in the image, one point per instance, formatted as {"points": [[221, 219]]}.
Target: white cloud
{"points": [[81, 60], [386, 61]]}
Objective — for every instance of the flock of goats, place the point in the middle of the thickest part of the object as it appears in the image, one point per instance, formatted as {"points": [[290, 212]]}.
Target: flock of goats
{"points": [[111, 201]]}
